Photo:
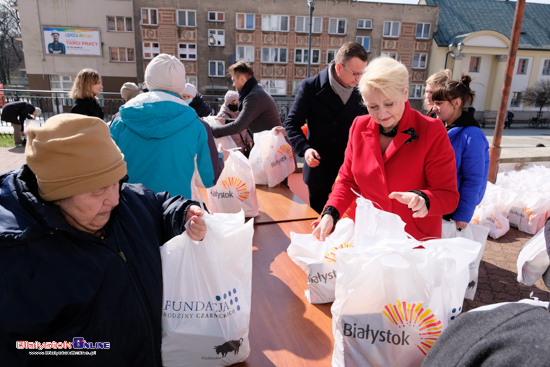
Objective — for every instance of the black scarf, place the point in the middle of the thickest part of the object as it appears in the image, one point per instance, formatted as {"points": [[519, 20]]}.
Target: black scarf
{"points": [[465, 120], [247, 87]]}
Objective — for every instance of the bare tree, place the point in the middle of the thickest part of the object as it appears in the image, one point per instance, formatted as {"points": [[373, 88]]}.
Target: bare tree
{"points": [[538, 96], [11, 54]]}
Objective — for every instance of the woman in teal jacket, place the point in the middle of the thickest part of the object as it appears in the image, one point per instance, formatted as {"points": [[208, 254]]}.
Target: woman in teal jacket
{"points": [[469, 143]]}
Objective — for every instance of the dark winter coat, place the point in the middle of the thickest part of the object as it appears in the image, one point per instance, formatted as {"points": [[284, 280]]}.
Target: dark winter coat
{"points": [[58, 283], [88, 107], [17, 112]]}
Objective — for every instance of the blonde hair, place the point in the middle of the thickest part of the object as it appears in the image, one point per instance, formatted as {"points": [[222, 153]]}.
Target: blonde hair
{"points": [[439, 78], [85, 80], [385, 74]]}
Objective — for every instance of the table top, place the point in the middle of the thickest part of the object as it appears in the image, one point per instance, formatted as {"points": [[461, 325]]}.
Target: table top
{"points": [[285, 329], [277, 204]]}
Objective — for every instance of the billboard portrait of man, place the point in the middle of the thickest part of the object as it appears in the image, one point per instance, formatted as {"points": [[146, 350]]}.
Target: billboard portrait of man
{"points": [[56, 47]]}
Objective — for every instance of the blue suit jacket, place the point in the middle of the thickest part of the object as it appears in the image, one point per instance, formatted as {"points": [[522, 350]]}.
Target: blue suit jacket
{"points": [[328, 121]]}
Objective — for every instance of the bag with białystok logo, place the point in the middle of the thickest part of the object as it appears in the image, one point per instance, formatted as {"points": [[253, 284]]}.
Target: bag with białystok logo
{"points": [[271, 158], [393, 300], [207, 294], [316, 259], [235, 189]]}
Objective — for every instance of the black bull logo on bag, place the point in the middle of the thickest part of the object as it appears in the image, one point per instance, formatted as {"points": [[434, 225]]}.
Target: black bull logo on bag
{"points": [[230, 346]]}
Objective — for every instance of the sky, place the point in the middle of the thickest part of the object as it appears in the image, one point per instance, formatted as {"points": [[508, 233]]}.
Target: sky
{"points": [[416, 1]]}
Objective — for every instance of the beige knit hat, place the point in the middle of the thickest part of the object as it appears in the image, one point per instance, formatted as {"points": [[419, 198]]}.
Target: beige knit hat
{"points": [[165, 72], [72, 154], [129, 90]]}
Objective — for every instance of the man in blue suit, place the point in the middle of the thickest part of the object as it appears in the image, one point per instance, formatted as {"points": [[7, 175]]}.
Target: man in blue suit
{"points": [[328, 103]]}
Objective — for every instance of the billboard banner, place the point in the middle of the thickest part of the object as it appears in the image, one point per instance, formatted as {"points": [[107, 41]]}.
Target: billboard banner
{"points": [[72, 41]]}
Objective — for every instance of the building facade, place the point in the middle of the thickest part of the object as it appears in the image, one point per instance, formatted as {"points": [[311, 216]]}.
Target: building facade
{"points": [[272, 35]]}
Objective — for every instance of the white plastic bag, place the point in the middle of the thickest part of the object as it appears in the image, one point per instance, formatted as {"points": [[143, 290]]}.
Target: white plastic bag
{"points": [[372, 222], [394, 301], [533, 260], [235, 189], [207, 294], [316, 259], [226, 142], [472, 232], [272, 158], [490, 215]]}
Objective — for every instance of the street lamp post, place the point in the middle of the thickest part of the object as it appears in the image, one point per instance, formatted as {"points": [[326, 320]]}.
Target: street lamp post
{"points": [[453, 54], [211, 68], [310, 4]]}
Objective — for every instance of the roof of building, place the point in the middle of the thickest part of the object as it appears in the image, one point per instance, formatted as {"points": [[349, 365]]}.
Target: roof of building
{"points": [[460, 18]]}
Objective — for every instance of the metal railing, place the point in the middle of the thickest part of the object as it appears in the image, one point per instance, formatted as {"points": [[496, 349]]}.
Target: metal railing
{"points": [[55, 102]]}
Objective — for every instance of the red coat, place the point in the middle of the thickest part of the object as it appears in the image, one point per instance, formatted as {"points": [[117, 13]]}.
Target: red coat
{"points": [[426, 164]]}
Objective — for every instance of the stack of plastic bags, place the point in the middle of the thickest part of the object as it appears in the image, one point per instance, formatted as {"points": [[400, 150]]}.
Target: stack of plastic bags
{"points": [[519, 199]]}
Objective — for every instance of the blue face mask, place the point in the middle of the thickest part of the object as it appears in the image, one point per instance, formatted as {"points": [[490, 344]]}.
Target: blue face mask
{"points": [[188, 101]]}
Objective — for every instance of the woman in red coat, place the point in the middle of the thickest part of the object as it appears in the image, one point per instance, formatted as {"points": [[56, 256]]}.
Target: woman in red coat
{"points": [[396, 157]]}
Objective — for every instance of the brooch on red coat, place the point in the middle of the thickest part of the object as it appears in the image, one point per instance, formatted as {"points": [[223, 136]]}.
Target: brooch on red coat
{"points": [[412, 133]]}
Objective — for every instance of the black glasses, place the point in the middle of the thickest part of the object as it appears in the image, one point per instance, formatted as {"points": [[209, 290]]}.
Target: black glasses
{"points": [[352, 72]]}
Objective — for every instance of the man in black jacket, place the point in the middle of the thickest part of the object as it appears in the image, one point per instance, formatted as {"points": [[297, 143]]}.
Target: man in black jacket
{"points": [[328, 103], [16, 113]]}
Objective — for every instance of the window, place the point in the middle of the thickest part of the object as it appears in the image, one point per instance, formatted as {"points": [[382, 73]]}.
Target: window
{"points": [[119, 24], [219, 36], [216, 68], [546, 68], [150, 50], [274, 55], [121, 54], [301, 56], [416, 91], [296, 86], [393, 55], [302, 25], [61, 83], [336, 26], [331, 54], [148, 16], [278, 23], [216, 16], [475, 62], [187, 18], [245, 21], [187, 51], [245, 53], [364, 23], [522, 66], [419, 61], [391, 29], [423, 30], [365, 41], [273, 86], [191, 80], [516, 99]]}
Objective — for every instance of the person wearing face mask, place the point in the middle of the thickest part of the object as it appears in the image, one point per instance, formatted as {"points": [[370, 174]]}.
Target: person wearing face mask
{"points": [[230, 111], [469, 143], [195, 100], [396, 157]]}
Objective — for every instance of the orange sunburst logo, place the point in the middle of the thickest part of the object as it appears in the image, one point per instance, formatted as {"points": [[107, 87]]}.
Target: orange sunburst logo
{"points": [[287, 150], [404, 314], [331, 255], [238, 184]]}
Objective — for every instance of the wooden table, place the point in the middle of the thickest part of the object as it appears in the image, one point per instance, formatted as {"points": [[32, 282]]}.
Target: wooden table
{"points": [[285, 329], [277, 204]]}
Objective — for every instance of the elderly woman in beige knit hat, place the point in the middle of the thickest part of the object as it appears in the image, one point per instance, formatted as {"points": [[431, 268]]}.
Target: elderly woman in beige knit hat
{"points": [[79, 247]]}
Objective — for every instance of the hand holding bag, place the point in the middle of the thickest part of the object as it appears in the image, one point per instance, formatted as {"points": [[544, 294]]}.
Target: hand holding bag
{"points": [[207, 294]]}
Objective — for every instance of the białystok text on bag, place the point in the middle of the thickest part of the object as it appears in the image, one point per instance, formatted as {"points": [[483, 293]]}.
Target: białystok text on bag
{"points": [[207, 294], [316, 259], [272, 158], [235, 189], [393, 300]]}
